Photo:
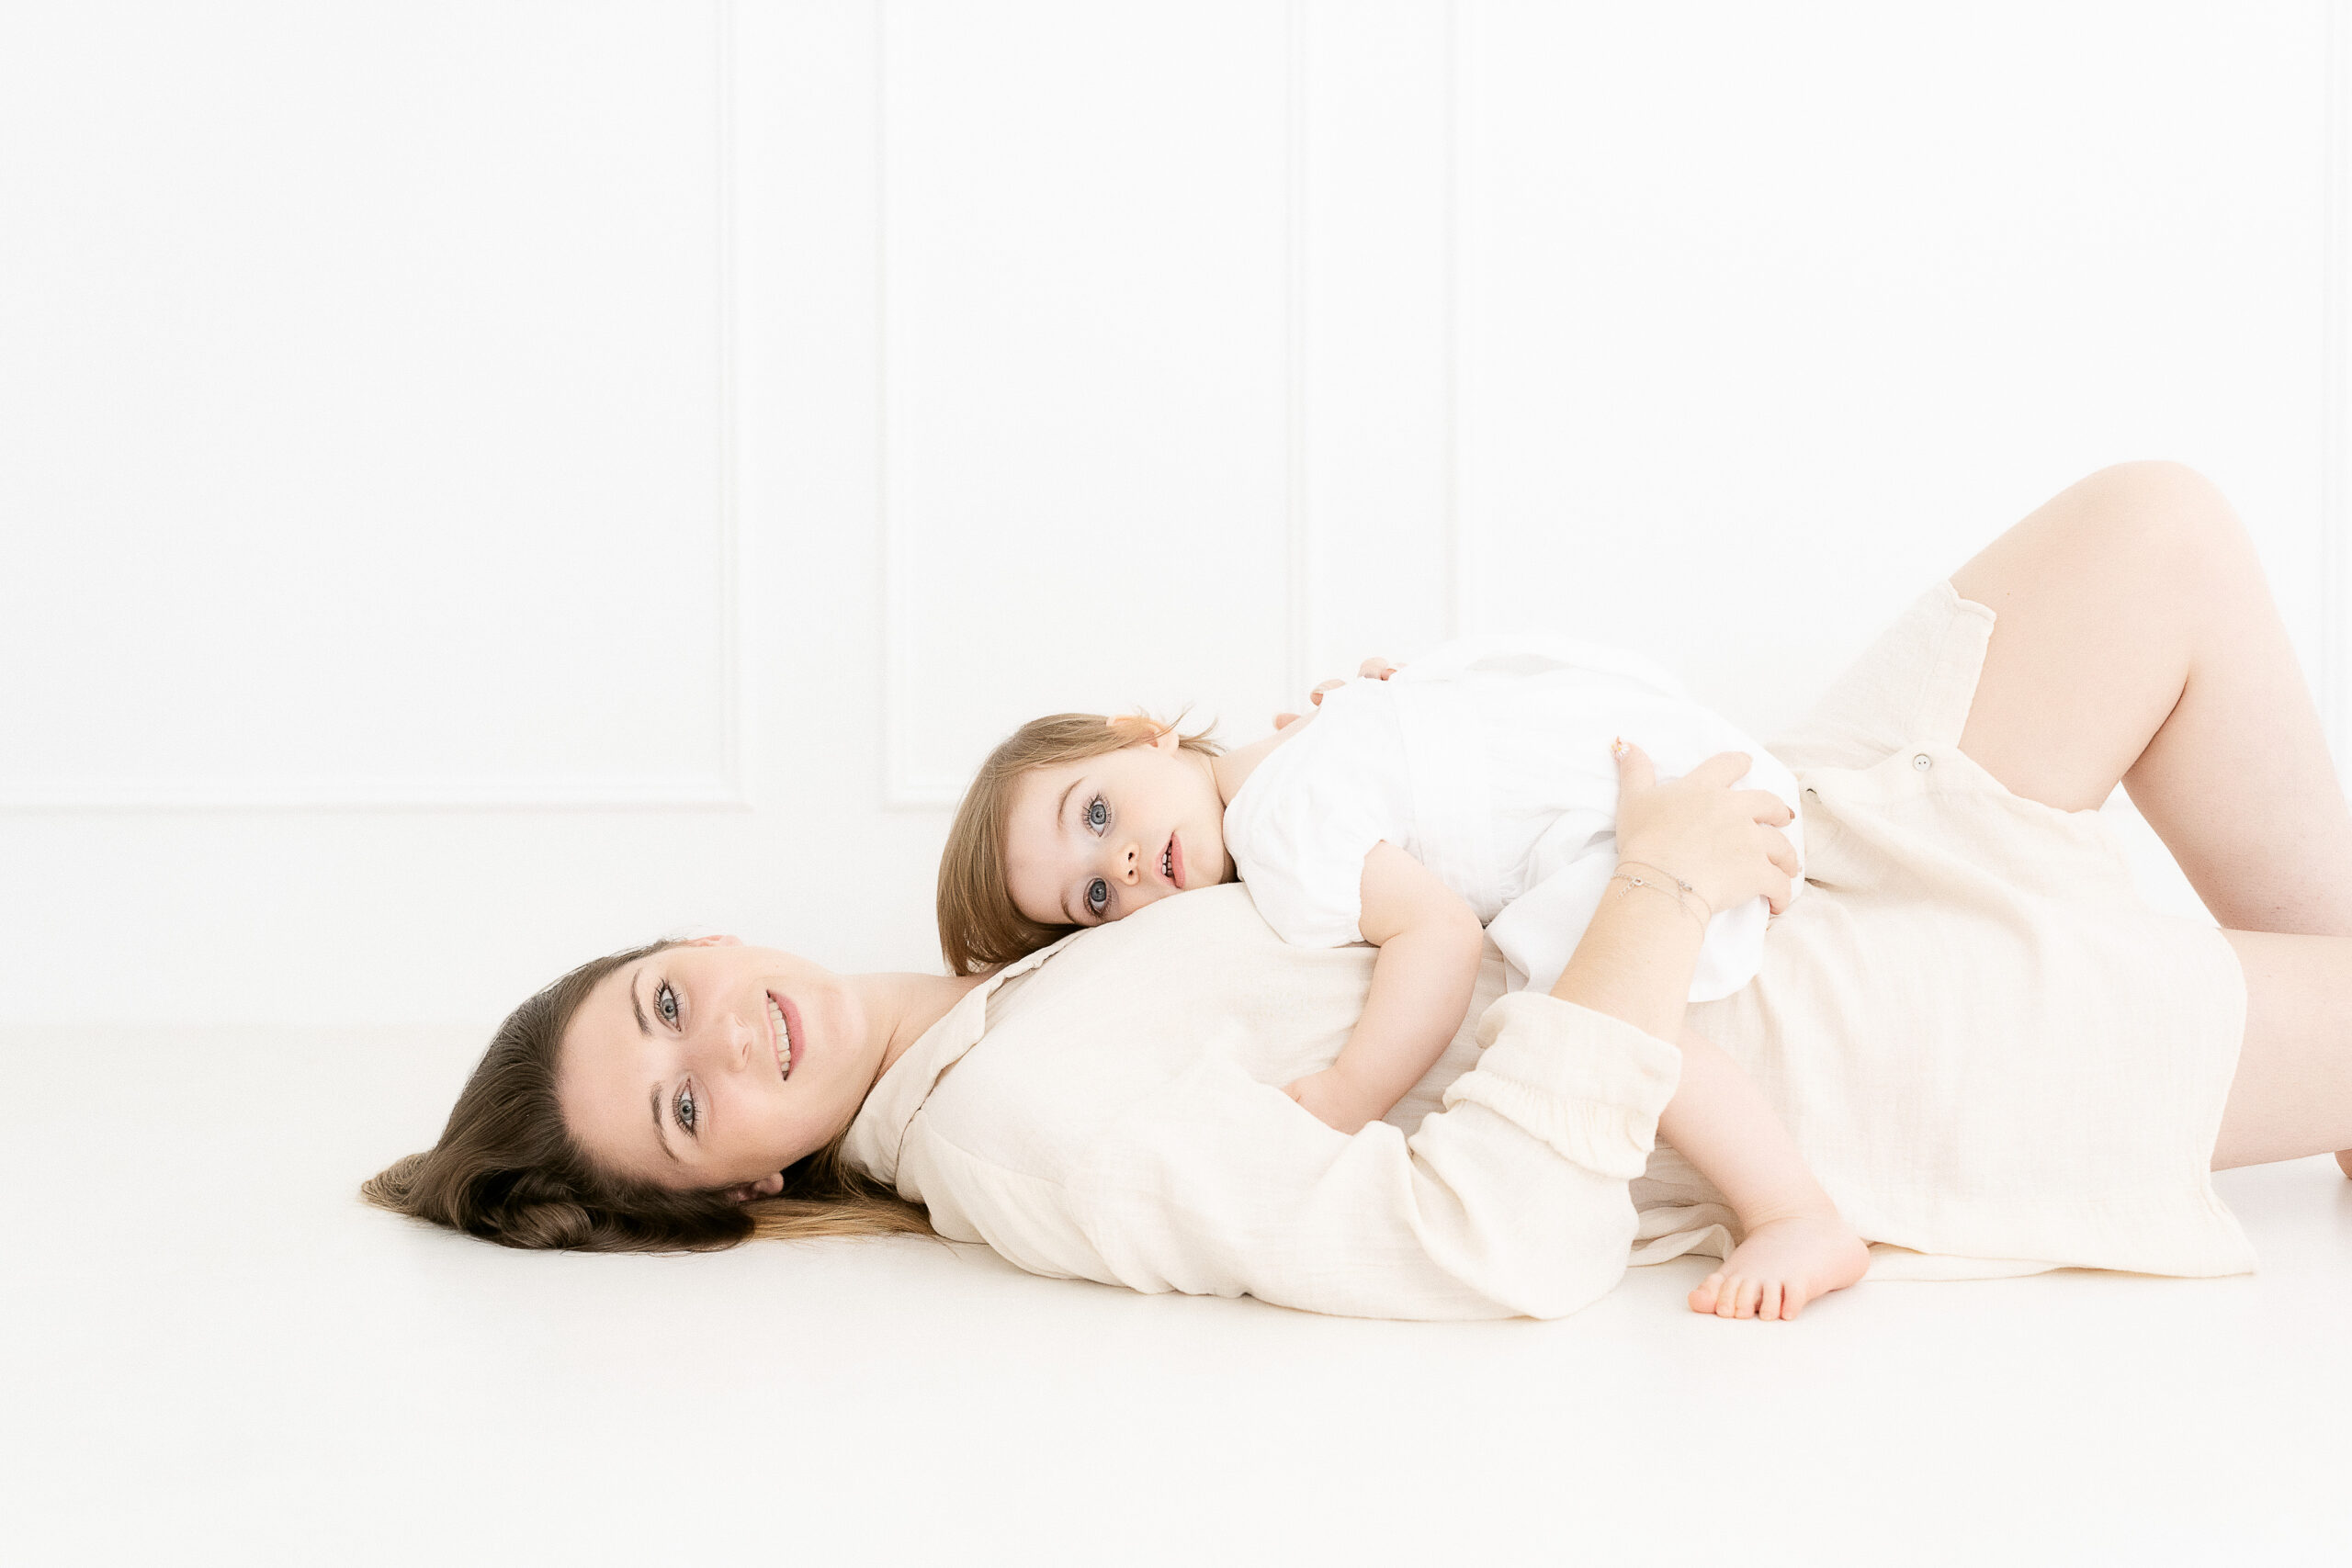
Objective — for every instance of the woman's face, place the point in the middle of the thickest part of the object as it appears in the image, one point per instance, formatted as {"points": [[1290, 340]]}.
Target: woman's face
{"points": [[715, 1065]]}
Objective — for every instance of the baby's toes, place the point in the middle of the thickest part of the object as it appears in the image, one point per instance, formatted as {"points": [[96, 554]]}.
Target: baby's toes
{"points": [[1727, 1299], [1703, 1299], [1768, 1303]]}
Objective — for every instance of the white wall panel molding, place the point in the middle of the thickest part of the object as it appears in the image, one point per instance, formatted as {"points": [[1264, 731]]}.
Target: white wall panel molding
{"points": [[1369, 543], [1458, 618], [901, 791], [1298, 554], [1703, 321], [1374, 355], [734, 788], [1088, 353], [706, 530], [2335, 682]]}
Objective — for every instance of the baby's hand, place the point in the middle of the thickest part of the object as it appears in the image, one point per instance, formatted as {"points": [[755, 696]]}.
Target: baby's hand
{"points": [[1336, 1101], [1372, 669]]}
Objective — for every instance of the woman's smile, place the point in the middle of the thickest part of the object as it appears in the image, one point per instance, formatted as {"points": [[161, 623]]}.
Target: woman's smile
{"points": [[785, 1037]]}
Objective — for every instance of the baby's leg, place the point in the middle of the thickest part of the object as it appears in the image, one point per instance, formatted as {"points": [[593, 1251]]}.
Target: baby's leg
{"points": [[1797, 1246]]}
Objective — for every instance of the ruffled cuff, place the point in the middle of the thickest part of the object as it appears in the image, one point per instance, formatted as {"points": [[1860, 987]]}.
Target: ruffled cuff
{"points": [[1589, 1085]]}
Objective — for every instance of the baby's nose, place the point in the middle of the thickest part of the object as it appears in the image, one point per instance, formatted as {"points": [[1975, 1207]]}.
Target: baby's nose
{"points": [[1131, 863]]}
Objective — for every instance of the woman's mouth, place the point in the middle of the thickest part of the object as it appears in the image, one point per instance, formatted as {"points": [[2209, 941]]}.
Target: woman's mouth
{"points": [[780, 1036]]}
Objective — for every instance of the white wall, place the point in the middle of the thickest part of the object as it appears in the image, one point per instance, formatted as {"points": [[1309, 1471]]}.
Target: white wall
{"points": [[485, 483]]}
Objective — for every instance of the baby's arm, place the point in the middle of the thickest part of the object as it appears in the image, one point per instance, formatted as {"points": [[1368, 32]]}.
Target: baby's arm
{"points": [[1430, 943]]}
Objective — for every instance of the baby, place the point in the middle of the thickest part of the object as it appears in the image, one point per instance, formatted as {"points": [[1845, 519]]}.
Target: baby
{"points": [[1474, 788]]}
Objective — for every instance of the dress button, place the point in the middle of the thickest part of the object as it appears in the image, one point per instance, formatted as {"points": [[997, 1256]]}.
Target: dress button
{"points": [[1922, 761]]}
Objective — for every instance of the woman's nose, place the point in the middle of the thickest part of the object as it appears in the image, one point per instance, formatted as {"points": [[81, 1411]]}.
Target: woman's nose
{"points": [[729, 1041]]}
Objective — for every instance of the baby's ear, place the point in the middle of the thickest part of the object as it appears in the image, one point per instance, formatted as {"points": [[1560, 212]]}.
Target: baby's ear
{"points": [[1167, 739]]}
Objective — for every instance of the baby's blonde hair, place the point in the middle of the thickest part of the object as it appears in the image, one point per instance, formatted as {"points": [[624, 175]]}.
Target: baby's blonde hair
{"points": [[979, 927]]}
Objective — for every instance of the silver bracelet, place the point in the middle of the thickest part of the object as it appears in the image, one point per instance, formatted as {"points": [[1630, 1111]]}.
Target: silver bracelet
{"points": [[1632, 881]]}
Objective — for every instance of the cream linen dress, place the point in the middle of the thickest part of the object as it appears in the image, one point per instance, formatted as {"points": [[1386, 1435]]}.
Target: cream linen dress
{"points": [[1489, 762], [1994, 1057]]}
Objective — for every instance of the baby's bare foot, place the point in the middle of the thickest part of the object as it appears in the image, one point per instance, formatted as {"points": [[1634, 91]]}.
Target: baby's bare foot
{"points": [[1783, 1265]]}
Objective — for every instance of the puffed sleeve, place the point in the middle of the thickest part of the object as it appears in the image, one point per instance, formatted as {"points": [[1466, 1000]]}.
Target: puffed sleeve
{"points": [[1300, 827], [1511, 1200]]}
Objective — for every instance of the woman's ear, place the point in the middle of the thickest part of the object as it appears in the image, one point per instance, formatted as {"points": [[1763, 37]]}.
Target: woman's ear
{"points": [[765, 1187]]}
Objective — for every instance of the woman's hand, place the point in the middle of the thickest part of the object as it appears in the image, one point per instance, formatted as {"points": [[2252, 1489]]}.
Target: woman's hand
{"points": [[1726, 843], [1374, 668]]}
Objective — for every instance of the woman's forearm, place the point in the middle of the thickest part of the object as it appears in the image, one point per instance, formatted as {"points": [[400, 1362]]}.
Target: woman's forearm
{"points": [[1636, 960]]}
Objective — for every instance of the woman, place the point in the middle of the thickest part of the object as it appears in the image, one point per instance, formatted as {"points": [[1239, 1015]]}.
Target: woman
{"points": [[1986, 1048]]}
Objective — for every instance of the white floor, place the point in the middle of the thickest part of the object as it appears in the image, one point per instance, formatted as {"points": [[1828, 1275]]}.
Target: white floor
{"points": [[214, 1353]]}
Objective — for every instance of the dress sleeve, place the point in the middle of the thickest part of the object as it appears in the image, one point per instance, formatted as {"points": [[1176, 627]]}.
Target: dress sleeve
{"points": [[1511, 1200], [1300, 827]]}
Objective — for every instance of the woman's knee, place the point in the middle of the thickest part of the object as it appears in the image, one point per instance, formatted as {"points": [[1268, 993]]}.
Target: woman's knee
{"points": [[2167, 529], [2162, 507]]}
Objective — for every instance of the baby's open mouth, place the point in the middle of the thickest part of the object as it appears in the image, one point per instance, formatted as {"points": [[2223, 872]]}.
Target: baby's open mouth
{"points": [[1171, 864]]}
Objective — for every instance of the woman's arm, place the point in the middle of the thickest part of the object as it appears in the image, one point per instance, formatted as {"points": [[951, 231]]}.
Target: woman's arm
{"points": [[1638, 955]]}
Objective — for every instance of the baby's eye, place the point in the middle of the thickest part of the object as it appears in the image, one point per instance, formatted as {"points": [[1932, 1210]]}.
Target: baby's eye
{"points": [[1098, 815], [686, 1109], [665, 1002], [1098, 894]]}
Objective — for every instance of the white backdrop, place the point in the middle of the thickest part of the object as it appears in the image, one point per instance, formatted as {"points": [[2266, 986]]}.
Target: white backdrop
{"points": [[488, 482]]}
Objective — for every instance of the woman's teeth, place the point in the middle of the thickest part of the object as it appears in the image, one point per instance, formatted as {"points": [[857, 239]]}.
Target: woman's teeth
{"points": [[783, 1038]]}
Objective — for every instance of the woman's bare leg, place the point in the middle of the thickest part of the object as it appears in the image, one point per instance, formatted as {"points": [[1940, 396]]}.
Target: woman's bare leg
{"points": [[2138, 643], [2292, 1094]]}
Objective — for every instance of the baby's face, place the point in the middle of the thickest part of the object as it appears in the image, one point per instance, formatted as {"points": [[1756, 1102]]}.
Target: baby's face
{"points": [[1090, 842]]}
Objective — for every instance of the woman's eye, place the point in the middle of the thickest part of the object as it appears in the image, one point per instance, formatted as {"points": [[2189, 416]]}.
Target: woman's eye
{"points": [[1098, 815], [686, 1111], [1098, 894], [665, 1002]]}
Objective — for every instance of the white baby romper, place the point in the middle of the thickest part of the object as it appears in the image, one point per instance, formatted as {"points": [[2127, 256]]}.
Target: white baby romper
{"points": [[1489, 761]]}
